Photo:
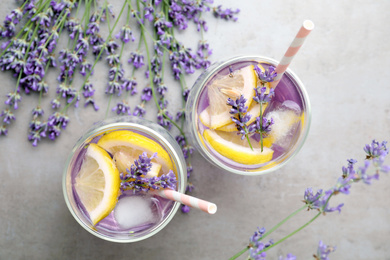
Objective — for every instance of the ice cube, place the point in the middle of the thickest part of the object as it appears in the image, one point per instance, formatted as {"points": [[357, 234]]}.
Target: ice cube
{"points": [[132, 211], [286, 118], [291, 105]]}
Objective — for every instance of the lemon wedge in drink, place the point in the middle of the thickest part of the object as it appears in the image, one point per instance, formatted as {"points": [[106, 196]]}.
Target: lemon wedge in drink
{"points": [[232, 147], [97, 183], [133, 145], [240, 82]]}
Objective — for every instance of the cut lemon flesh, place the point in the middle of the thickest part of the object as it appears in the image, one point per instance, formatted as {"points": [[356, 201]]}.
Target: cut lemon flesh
{"points": [[241, 82], [97, 183], [133, 145], [232, 147]]}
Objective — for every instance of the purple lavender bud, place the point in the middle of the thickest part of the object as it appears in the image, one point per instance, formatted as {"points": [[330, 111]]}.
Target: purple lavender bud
{"points": [[185, 208], [137, 59], [289, 256], [93, 28], [125, 34], [376, 149], [149, 11], [113, 87], [3, 130], [323, 251], [146, 94], [91, 101], [8, 116], [227, 14], [262, 97], [139, 111], [186, 94], [181, 141], [38, 111], [122, 108], [55, 103], [12, 99], [268, 75], [179, 115], [130, 85]]}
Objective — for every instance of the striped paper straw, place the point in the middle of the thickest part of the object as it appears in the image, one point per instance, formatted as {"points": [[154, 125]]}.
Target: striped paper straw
{"points": [[306, 28], [185, 199]]}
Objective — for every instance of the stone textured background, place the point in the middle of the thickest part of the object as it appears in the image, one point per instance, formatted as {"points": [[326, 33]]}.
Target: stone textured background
{"points": [[344, 65]]}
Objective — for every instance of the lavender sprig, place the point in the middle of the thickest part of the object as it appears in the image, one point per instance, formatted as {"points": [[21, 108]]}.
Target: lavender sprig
{"points": [[134, 178], [262, 126], [373, 166], [242, 118]]}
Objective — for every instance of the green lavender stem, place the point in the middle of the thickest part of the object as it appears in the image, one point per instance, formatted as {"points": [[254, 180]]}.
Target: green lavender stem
{"points": [[261, 126], [292, 233], [272, 230]]}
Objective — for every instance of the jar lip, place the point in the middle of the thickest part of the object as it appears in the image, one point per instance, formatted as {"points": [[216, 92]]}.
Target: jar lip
{"points": [[198, 88], [160, 134]]}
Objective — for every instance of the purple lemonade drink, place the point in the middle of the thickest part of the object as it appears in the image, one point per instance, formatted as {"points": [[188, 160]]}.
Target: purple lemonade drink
{"points": [[110, 176], [242, 125]]}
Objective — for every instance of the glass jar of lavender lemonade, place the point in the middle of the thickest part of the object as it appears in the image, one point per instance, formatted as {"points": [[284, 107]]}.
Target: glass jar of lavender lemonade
{"points": [[109, 173], [243, 124]]}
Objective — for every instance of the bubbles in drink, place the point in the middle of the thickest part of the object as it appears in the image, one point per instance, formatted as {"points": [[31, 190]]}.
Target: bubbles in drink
{"points": [[133, 211]]}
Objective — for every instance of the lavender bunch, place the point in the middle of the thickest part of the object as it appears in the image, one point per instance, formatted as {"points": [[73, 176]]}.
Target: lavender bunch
{"points": [[319, 201], [29, 52], [135, 178]]}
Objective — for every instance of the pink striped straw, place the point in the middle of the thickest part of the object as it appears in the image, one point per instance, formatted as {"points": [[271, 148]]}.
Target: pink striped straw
{"points": [[306, 28], [185, 199]]}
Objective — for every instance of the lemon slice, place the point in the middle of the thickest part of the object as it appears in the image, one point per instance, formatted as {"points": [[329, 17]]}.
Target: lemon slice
{"points": [[243, 82], [123, 161], [133, 145], [231, 146], [97, 183]]}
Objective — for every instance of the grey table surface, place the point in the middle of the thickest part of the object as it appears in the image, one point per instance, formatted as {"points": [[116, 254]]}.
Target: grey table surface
{"points": [[344, 65]]}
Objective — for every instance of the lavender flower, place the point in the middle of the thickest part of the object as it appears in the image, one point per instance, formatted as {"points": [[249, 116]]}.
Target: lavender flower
{"points": [[135, 178], [8, 116], [55, 103], [262, 97], [227, 14], [185, 209], [139, 111], [376, 149], [38, 111], [288, 257], [137, 59], [239, 109], [122, 108], [37, 130], [186, 148], [261, 126], [91, 101], [12, 99], [323, 251], [130, 85], [267, 76], [125, 34], [3, 130], [256, 246], [146, 94]]}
